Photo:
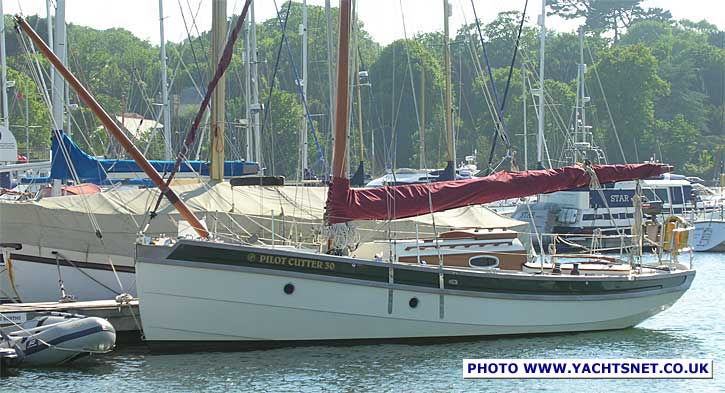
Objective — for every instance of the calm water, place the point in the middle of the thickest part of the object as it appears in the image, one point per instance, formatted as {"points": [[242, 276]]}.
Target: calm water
{"points": [[693, 328]]}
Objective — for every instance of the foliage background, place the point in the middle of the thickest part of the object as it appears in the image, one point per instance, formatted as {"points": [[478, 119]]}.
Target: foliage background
{"points": [[663, 80]]}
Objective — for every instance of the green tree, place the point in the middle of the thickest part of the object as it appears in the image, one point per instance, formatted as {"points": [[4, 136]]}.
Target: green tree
{"points": [[607, 15], [281, 136], [630, 74], [676, 140], [25, 95], [393, 92]]}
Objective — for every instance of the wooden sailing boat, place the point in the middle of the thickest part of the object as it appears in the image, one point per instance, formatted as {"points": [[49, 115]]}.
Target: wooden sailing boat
{"points": [[196, 291]]}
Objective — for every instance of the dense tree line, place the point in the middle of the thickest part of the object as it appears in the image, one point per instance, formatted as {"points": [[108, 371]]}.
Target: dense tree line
{"points": [[656, 87]]}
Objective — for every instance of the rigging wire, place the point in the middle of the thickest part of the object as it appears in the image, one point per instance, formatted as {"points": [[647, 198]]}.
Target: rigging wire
{"points": [[375, 108], [537, 111], [320, 153], [500, 128], [191, 40], [606, 104], [224, 61], [478, 68], [513, 58], [273, 79], [396, 116], [410, 66]]}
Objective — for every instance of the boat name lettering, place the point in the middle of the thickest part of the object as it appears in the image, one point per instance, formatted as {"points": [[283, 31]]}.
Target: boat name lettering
{"points": [[290, 261], [619, 198]]}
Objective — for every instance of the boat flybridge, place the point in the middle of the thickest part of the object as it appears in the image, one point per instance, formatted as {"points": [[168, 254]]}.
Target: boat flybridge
{"points": [[204, 293]]}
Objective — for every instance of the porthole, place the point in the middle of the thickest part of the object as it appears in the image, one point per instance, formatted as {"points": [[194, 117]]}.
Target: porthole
{"points": [[413, 303], [485, 262], [289, 288]]}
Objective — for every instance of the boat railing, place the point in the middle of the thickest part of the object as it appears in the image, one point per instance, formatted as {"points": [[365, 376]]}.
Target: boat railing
{"points": [[679, 245], [669, 247], [596, 241]]}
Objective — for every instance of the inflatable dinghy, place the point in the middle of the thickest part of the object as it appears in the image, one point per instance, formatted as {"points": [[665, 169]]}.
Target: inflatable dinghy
{"points": [[57, 338]]}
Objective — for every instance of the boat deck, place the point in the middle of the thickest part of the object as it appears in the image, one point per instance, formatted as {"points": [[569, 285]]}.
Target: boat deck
{"points": [[123, 316]]}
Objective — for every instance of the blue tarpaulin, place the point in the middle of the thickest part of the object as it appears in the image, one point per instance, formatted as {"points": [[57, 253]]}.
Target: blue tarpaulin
{"points": [[95, 170]]}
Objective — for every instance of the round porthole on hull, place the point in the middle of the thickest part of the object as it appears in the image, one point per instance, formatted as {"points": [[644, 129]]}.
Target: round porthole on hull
{"points": [[289, 288], [413, 303]]}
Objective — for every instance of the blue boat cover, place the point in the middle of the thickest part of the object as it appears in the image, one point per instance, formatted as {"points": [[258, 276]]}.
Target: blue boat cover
{"points": [[94, 170]]}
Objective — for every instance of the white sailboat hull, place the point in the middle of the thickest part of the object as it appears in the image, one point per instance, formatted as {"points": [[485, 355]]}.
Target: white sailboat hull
{"points": [[253, 307], [33, 275], [190, 304]]}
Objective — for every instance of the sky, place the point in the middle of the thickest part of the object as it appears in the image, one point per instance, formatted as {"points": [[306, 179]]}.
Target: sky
{"points": [[382, 18]]}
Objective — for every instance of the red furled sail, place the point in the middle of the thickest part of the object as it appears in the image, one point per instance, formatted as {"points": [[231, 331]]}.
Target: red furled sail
{"points": [[347, 204]]}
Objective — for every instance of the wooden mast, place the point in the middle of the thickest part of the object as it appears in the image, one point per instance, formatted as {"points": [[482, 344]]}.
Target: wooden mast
{"points": [[338, 162], [218, 35], [111, 126]]}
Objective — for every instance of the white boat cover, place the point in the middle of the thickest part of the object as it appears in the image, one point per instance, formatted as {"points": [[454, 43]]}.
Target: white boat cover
{"points": [[242, 213]]}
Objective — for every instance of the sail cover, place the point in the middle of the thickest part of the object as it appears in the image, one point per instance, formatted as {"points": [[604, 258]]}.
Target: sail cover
{"points": [[347, 204]]}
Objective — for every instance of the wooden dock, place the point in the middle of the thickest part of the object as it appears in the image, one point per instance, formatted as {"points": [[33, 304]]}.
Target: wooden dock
{"points": [[124, 316]]}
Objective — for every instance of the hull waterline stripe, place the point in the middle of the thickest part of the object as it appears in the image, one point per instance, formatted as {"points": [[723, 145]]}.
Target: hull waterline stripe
{"points": [[63, 262]]}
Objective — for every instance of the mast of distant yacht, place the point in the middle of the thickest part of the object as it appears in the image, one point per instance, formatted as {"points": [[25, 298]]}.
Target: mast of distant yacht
{"points": [[247, 95], [164, 87], [448, 94], [254, 75], [540, 135], [49, 26], [59, 48], [523, 103], [3, 71], [58, 86], [304, 129]]}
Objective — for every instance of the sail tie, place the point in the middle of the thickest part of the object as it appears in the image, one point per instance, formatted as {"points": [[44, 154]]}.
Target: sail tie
{"points": [[594, 182]]}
